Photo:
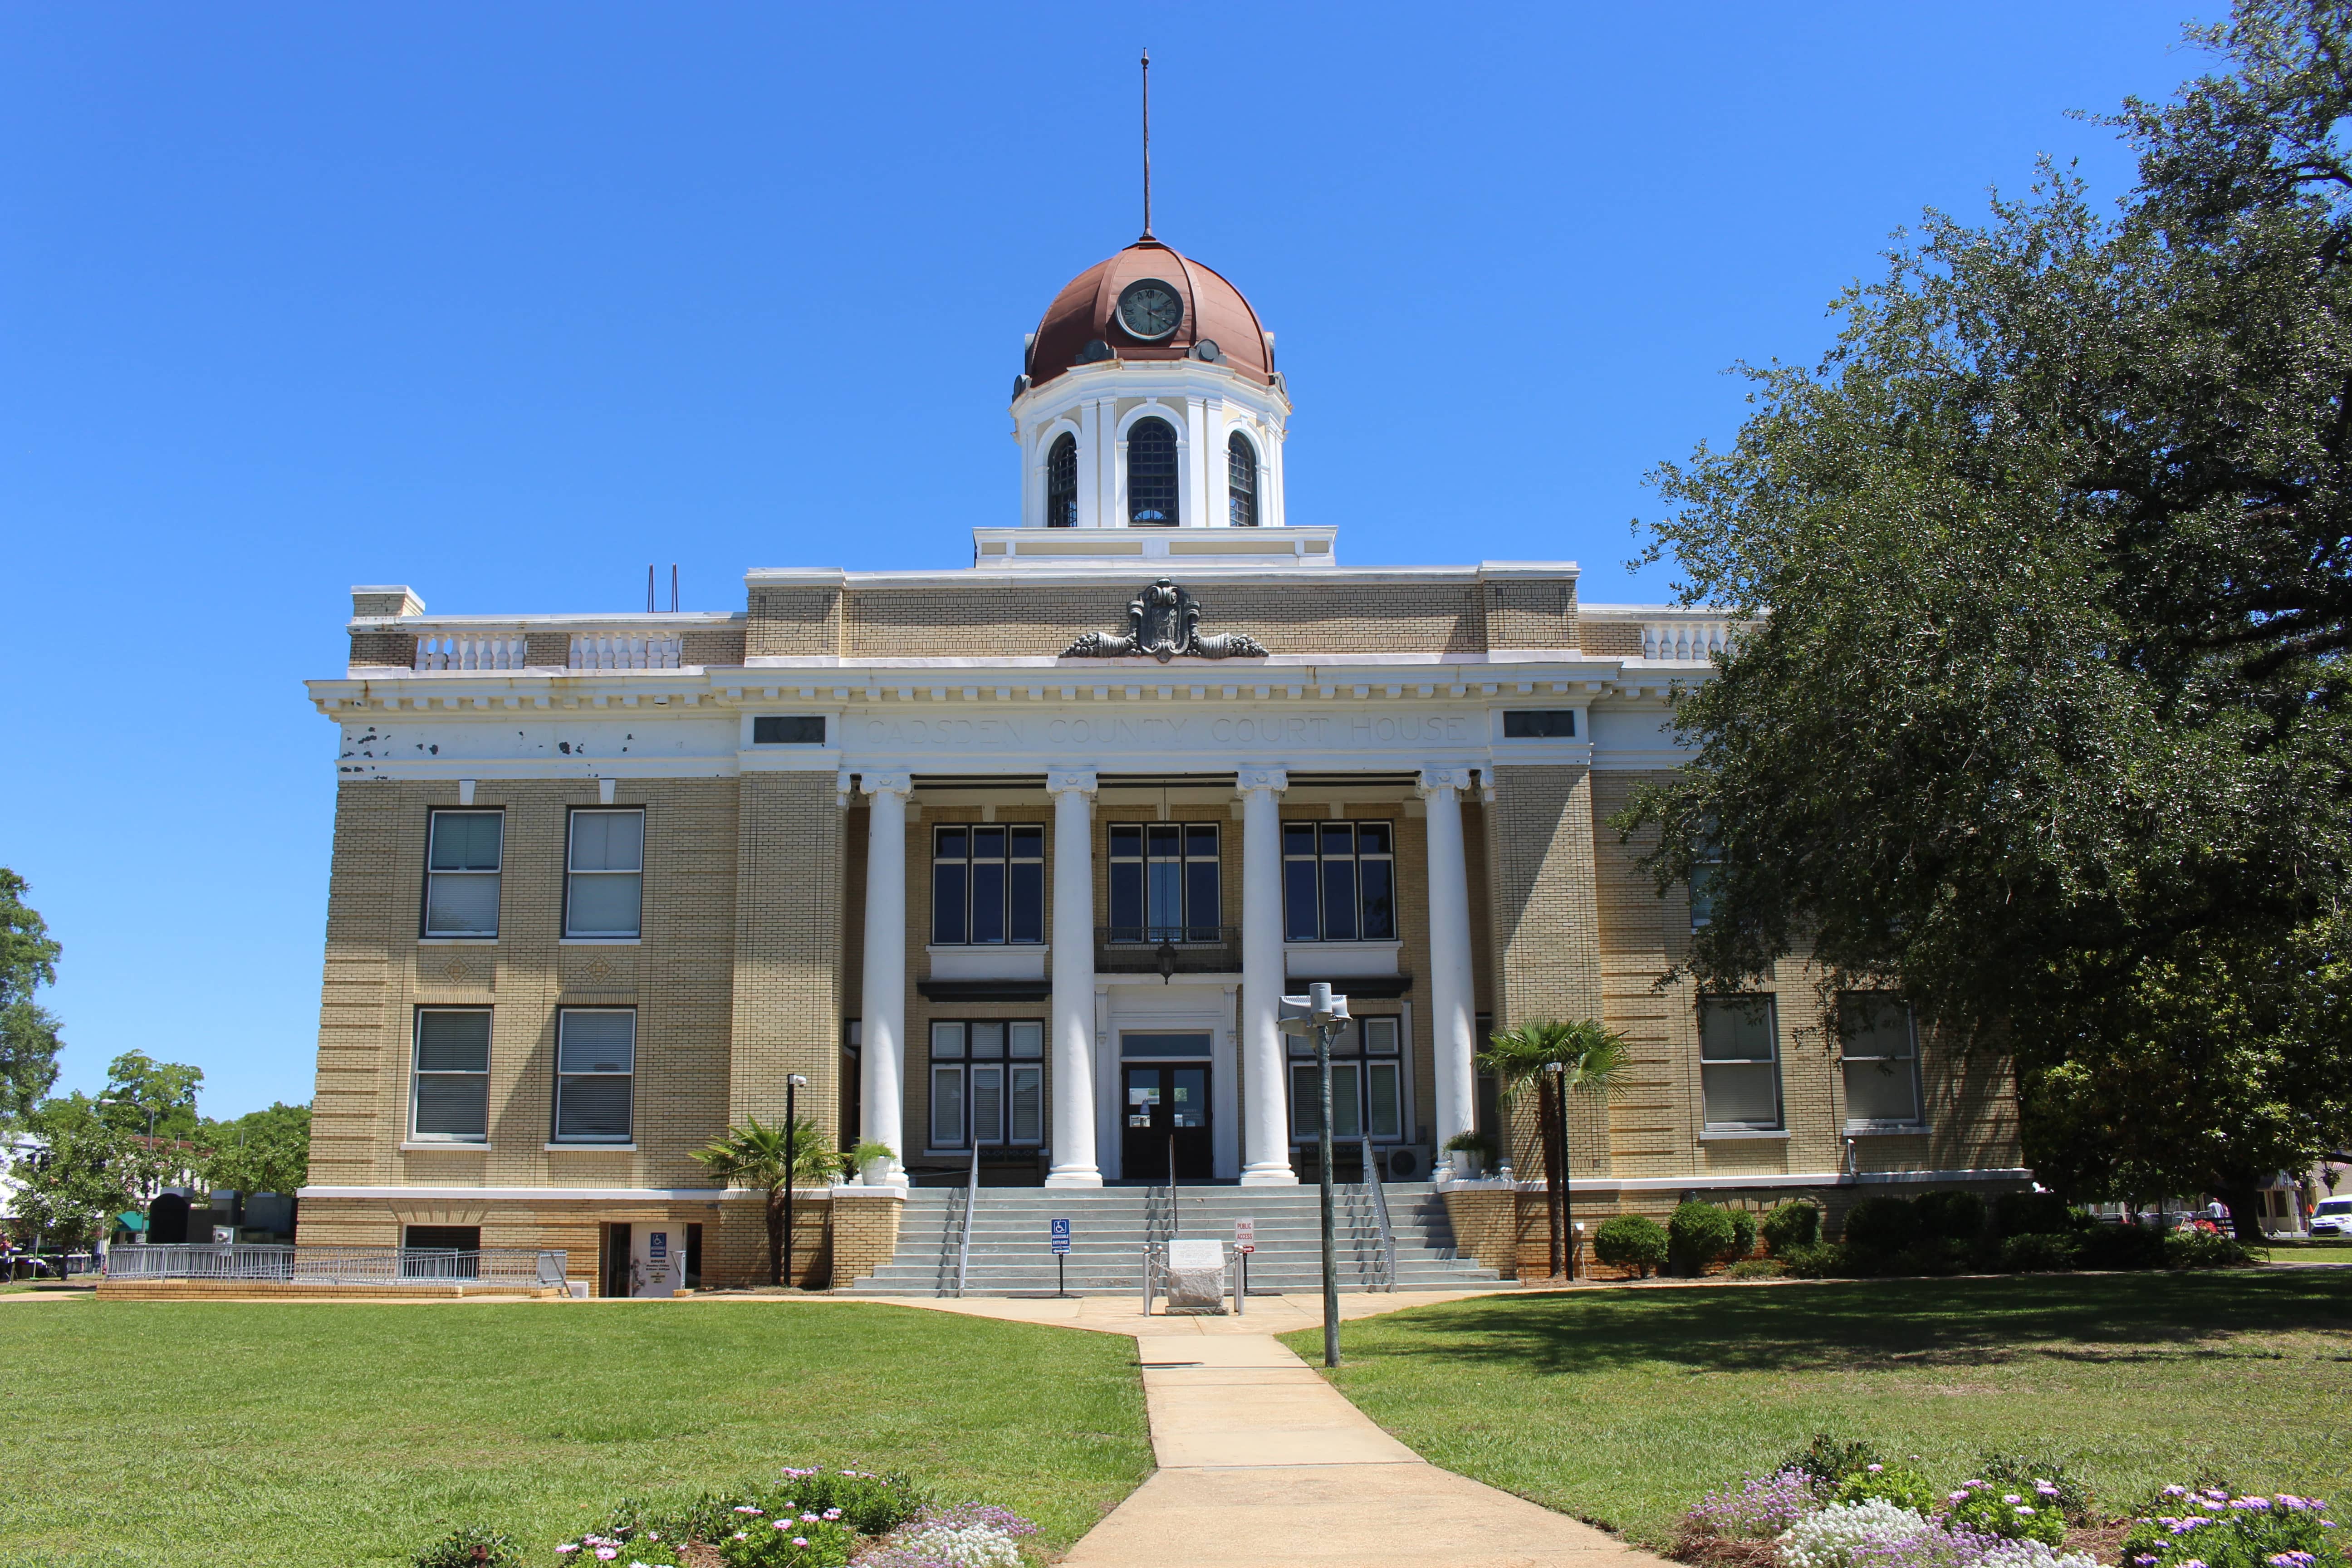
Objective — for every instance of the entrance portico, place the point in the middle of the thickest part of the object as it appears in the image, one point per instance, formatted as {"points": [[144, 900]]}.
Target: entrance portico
{"points": [[1133, 975]]}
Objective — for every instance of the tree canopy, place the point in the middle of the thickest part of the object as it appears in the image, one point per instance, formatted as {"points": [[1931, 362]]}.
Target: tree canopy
{"points": [[29, 1032], [2040, 711]]}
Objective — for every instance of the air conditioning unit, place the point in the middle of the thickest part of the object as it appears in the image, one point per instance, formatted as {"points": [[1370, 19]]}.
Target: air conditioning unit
{"points": [[1405, 1162]]}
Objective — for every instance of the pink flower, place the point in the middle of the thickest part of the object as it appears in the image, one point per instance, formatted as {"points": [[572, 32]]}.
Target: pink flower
{"points": [[572, 1547], [2008, 1498], [800, 1541], [2024, 1512], [1873, 1469], [747, 1508], [606, 1554]]}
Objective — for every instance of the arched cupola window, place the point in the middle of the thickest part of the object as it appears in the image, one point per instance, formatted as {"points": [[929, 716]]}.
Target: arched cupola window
{"points": [[1062, 482], [1151, 474], [1241, 483]]}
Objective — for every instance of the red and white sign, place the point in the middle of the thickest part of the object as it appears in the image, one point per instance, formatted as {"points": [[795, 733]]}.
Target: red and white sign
{"points": [[1245, 1236]]}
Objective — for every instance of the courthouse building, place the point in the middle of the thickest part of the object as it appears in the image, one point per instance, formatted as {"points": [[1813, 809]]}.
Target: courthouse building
{"points": [[1011, 861]]}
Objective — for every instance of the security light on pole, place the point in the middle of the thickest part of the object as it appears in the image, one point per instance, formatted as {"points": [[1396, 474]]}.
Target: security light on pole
{"points": [[1321, 1014]]}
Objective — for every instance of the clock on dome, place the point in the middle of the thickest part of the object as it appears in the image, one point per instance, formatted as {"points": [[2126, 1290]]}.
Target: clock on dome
{"points": [[1149, 308]]}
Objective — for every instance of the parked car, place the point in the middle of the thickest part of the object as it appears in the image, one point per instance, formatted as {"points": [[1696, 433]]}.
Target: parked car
{"points": [[2332, 1217]]}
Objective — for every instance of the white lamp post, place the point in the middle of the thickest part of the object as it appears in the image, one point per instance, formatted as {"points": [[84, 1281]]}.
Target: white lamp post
{"points": [[1321, 1013]]}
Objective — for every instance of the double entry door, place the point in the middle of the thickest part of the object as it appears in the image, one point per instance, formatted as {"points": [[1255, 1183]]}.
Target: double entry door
{"points": [[1167, 1109]]}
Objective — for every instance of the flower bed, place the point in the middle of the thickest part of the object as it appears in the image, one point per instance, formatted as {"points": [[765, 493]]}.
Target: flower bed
{"points": [[807, 1518], [1836, 1505]]}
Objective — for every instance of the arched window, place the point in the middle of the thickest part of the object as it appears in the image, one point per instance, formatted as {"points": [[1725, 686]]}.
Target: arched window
{"points": [[1241, 483], [1062, 482], [1151, 474]]}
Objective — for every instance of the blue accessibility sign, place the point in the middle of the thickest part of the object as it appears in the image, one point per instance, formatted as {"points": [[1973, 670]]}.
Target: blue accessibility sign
{"points": [[1061, 1236]]}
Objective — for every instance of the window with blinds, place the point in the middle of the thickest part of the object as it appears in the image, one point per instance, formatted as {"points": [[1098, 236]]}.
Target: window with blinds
{"points": [[463, 855], [604, 877], [595, 1075], [1880, 1061], [1739, 1064], [449, 1098]]}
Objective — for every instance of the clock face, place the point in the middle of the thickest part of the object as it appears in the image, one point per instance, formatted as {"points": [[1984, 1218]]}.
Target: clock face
{"points": [[1151, 309]]}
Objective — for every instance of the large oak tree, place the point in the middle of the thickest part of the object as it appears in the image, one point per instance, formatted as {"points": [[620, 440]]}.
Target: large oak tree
{"points": [[2041, 715]]}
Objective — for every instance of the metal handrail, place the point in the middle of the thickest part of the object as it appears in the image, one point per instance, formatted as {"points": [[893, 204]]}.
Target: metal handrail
{"points": [[506, 1266], [963, 1242], [1175, 1215], [1387, 1276]]}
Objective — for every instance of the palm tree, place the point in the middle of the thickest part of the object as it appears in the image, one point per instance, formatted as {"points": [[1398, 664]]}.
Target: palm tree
{"points": [[771, 1159], [1560, 1059]]}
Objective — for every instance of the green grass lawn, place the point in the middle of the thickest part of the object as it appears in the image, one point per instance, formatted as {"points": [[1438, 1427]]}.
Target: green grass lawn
{"points": [[1623, 1406], [189, 1433]]}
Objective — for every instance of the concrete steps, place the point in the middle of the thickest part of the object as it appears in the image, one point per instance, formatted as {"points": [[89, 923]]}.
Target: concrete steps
{"points": [[1012, 1253]]}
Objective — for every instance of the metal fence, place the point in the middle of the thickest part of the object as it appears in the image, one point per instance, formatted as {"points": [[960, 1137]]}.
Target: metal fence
{"points": [[504, 1266]]}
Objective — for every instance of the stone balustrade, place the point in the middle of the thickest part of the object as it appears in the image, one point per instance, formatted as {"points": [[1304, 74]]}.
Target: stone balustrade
{"points": [[622, 650], [465, 651]]}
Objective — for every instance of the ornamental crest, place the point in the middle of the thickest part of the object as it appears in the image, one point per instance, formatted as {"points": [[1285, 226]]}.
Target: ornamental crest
{"points": [[1163, 621]]}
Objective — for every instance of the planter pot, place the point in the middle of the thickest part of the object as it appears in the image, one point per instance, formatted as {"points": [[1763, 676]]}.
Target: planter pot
{"points": [[875, 1172], [1467, 1164]]}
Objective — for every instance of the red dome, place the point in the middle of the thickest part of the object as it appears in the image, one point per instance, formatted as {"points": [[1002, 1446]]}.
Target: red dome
{"points": [[1086, 311]]}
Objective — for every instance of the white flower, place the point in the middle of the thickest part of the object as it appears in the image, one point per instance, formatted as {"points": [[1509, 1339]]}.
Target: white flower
{"points": [[2031, 1553], [965, 1545], [1829, 1538]]}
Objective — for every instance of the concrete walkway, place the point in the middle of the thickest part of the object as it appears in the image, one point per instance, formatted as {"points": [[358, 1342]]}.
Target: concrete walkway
{"points": [[1263, 1464]]}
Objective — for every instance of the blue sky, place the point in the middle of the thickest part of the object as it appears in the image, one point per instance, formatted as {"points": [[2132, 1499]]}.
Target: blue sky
{"points": [[507, 301]]}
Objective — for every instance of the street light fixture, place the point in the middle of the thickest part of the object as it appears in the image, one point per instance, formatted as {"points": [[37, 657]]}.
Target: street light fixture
{"points": [[794, 1083], [1322, 1015]]}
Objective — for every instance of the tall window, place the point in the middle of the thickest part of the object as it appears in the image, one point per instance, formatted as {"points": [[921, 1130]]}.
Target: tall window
{"points": [[1338, 881], [450, 1100], [1163, 881], [1062, 482], [605, 874], [988, 884], [1241, 481], [988, 1083], [1881, 1060], [1707, 868], [1739, 1064], [461, 875], [1151, 473], [595, 1073], [1367, 1083]]}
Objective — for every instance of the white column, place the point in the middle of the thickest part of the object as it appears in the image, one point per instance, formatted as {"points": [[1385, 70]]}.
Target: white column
{"points": [[1090, 440], [1074, 979], [1451, 993], [882, 1026], [1216, 492], [1192, 509], [1265, 1132]]}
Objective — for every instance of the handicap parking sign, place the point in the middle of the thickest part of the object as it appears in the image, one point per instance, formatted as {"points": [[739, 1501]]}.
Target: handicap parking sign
{"points": [[1061, 1236]]}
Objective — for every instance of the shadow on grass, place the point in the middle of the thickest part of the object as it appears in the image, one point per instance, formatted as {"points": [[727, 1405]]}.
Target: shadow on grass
{"points": [[1873, 1324]]}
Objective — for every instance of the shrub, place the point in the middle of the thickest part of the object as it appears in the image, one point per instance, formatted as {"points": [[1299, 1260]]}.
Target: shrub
{"points": [[472, 1547], [1797, 1223], [1899, 1484], [2043, 1475], [1698, 1235], [648, 1549], [794, 1541], [870, 1504], [1814, 1260], [2031, 1214], [1844, 1531], [1957, 1216], [2204, 1249], [2020, 1513], [2210, 1526], [2039, 1253], [1885, 1225], [1830, 1460], [1933, 1254], [1743, 1234], [2121, 1247], [1631, 1241], [1757, 1268]]}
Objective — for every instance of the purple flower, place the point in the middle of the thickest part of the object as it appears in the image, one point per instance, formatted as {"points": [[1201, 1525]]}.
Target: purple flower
{"points": [[2194, 1563], [1956, 1497], [2145, 1558], [2175, 1491], [2046, 1489], [2024, 1512], [2250, 1502]]}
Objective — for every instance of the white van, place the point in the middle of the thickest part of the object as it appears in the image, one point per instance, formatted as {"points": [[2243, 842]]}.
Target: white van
{"points": [[2332, 1217]]}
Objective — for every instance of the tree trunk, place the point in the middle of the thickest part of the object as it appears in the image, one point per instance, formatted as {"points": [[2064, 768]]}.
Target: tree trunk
{"points": [[2244, 1200], [775, 1236], [1547, 1108]]}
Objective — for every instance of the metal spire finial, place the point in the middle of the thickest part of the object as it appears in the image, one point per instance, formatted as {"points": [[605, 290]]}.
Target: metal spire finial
{"points": [[1147, 143]]}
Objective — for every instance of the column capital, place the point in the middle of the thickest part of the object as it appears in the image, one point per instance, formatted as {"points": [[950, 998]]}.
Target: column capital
{"points": [[1250, 780], [886, 784], [1436, 781], [1083, 780]]}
